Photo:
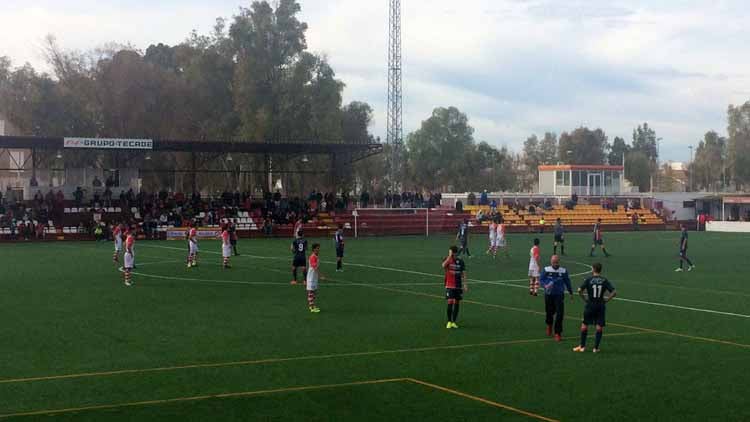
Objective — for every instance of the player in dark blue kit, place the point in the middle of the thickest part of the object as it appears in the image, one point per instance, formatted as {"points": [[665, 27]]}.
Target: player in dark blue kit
{"points": [[338, 239], [299, 250], [463, 237], [596, 299], [598, 239], [683, 250]]}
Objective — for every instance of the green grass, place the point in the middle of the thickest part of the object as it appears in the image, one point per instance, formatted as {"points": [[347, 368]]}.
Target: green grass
{"points": [[193, 334]]}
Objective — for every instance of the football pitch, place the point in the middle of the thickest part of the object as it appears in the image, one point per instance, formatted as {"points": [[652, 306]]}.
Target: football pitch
{"points": [[206, 343]]}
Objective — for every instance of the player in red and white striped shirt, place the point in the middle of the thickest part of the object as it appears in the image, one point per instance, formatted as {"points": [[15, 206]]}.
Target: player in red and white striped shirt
{"points": [[129, 257], [313, 275], [226, 246], [534, 267], [192, 248], [117, 235]]}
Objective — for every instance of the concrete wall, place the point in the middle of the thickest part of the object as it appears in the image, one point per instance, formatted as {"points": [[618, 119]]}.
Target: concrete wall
{"points": [[728, 226], [547, 182], [674, 202]]}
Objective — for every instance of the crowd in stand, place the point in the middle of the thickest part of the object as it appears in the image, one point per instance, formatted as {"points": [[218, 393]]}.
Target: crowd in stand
{"points": [[163, 208]]}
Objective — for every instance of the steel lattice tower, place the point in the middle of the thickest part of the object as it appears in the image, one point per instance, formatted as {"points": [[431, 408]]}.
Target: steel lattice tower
{"points": [[394, 129]]}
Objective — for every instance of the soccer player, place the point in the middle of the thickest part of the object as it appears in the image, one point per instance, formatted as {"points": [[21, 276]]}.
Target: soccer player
{"points": [[117, 234], [534, 265], [338, 240], [313, 275], [299, 252], [683, 249], [129, 257], [598, 240], [593, 313], [298, 229], [559, 237], [500, 237], [493, 239], [555, 281], [226, 246], [233, 236], [455, 284], [463, 237], [192, 248]]}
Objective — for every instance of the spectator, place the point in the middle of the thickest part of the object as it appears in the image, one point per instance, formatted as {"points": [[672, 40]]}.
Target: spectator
{"points": [[78, 196], [483, 200], [96, 183], [107, 197]]}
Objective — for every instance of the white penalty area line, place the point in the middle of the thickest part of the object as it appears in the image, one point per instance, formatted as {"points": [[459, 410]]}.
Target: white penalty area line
{"points": [[507, 283]]}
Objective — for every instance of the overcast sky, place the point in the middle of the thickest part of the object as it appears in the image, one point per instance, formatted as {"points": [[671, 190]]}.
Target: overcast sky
{"points": [[515, 67]]}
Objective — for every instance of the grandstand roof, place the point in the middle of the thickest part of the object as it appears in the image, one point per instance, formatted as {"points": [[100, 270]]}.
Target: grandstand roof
{"points": [[580, 167], [728, 198], [182, 145]]}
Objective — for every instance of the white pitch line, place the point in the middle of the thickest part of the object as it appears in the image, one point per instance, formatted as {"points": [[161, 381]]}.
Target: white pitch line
{"points": [[674, 286], [495, 282], [255, 283], [665, 305], [507, 283]]}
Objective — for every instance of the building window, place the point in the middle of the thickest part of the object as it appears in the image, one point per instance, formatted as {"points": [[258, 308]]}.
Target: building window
{"points": [[563, 178]]}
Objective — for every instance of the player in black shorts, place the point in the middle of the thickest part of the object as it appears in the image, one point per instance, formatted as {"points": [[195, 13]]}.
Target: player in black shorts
{"points": [[299, 250], [598, 239], [455, 284], [338, 240], [596, 299], [683, 249], [559, 237], [232, 228], [463, 237]]}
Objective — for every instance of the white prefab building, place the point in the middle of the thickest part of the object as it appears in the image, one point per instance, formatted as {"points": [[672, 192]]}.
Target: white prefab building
{"points": [[583, 180]]}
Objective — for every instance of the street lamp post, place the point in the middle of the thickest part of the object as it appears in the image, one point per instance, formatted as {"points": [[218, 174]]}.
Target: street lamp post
{"points": [[658, 164], [690, 169]]}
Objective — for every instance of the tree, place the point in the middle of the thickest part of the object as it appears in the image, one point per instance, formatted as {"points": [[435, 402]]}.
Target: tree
{"points": [[267, 43], [667, 180], [618, 151], [708, 167], [492, 169], [437, 151], [548, 148], [583, 146], [638, 170], [531, 159], [739, 143], [644, 140]]}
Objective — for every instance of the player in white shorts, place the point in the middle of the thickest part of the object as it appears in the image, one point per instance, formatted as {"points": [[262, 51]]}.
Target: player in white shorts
{"points": [[493, 239], [117, 234], [129, 258], [313, 275], [192, 248], [226, 246], [501, 241], [534, 266]]}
